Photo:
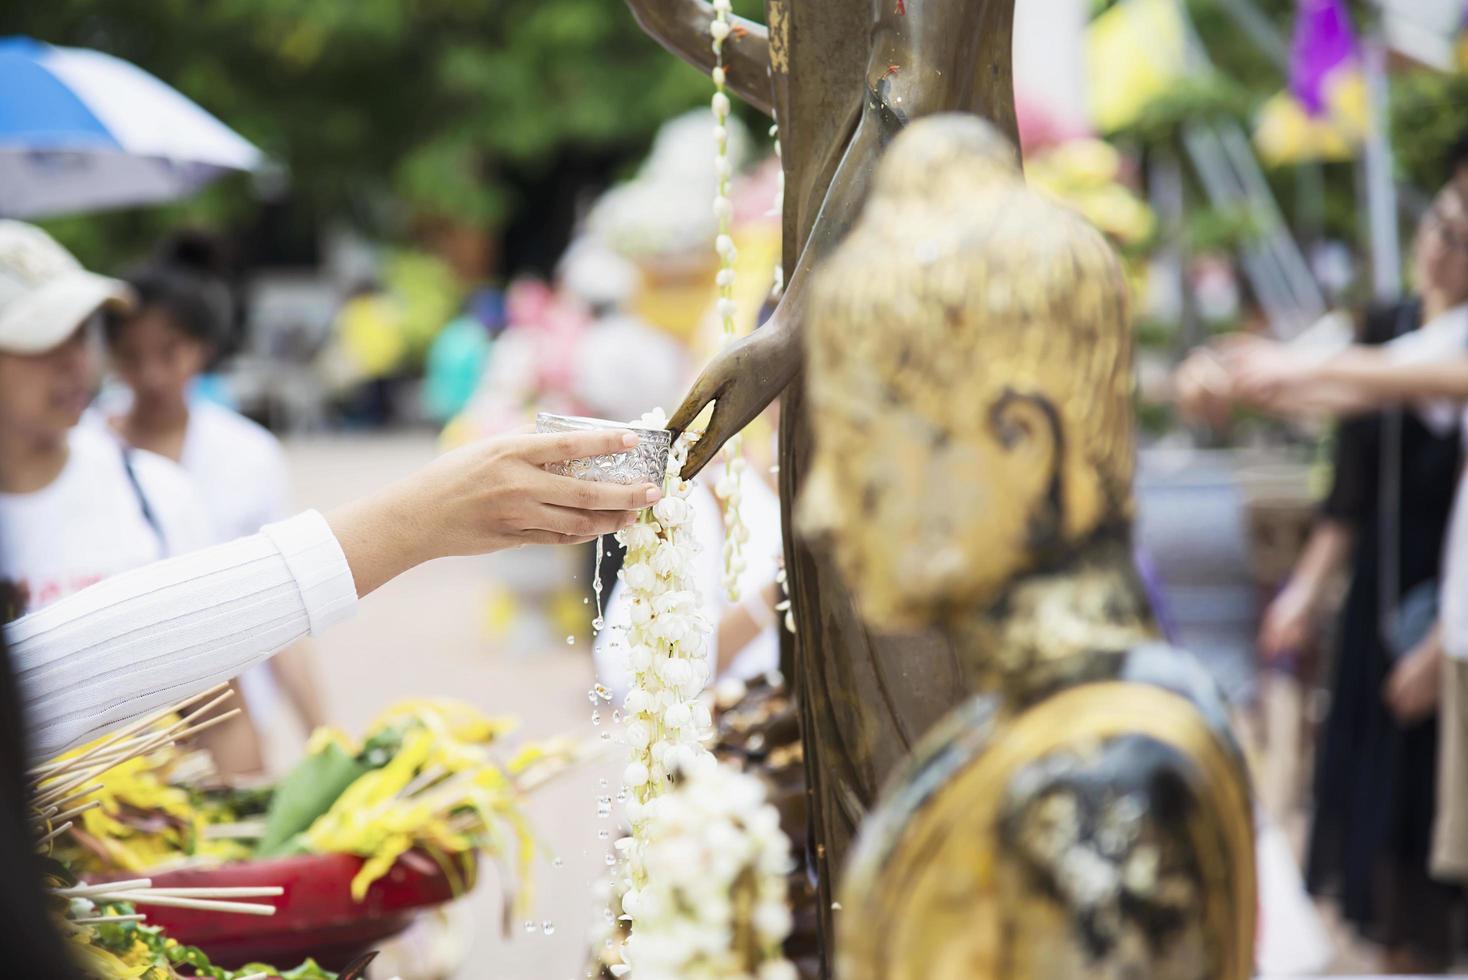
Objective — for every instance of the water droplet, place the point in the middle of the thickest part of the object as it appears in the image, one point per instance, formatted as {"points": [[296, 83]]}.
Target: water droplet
{"points": [[616, 716], [529, 926], [622, 796], [606, 736], [549, 928], [585, 600], [602, 692], [598, 624], [611, 859], [596, 717], [558, 862], [570, 641], [602, 834], [602, 783]]}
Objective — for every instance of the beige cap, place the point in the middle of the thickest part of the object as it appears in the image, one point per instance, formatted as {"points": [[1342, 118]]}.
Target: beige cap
{"points": [[45, 294]]}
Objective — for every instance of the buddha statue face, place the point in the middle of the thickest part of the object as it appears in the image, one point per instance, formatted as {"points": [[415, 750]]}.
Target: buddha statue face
{"points": [[969, 372]]}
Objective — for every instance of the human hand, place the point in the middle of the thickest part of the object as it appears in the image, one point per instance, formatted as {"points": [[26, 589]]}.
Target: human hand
{"points": [[1262, 370], [1289, 622], [1203, 388], [485, 497], [741, 380], [1411, 688]]}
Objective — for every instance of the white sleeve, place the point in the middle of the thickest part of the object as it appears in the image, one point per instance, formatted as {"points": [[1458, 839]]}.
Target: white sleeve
{"points": [[145, 639], [1444, 339]]}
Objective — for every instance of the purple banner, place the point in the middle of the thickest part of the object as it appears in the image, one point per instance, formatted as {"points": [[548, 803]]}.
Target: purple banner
{"points": [[1323, 42]]}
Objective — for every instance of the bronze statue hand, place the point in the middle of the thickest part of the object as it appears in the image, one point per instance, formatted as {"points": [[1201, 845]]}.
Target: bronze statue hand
{"points": [[741, 380], [682, 26]]}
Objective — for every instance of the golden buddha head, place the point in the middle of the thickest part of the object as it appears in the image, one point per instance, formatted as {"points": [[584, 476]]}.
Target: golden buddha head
{"points": [[969, 375]]}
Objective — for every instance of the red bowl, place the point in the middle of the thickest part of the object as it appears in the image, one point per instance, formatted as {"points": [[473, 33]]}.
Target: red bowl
{"points": [[316, 915]]}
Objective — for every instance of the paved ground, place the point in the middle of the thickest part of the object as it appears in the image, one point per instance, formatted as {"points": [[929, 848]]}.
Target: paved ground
{"points": [[424, 635]]}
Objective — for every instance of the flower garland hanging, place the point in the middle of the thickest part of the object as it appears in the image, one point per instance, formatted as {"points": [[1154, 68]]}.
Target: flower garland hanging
{"points": [[728, 487], [714, 906], [777, 210], [667, 724]]}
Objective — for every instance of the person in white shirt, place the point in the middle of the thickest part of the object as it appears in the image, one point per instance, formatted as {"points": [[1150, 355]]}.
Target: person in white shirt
{"points": [[158, 350], [1428, 371], [75, 507]]}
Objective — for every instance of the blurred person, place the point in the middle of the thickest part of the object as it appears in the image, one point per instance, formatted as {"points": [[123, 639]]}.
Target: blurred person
{"points": [[75, 507], [159, 350], [1381, 773], [459, 355]]}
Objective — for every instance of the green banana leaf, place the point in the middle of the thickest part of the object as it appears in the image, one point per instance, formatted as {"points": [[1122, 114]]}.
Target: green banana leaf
{"points": [[305, 793]]}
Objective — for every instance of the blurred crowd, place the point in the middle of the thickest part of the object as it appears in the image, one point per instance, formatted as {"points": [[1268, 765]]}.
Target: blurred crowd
{"points": [[1376, 603]]}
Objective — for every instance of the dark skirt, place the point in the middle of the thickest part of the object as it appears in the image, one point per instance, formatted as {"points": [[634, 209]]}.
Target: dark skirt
{"points": [[1374, 792]]}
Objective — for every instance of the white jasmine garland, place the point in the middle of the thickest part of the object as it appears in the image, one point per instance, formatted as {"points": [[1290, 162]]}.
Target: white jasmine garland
{"points": [[667, 642], [713, 905], [734, 531]]}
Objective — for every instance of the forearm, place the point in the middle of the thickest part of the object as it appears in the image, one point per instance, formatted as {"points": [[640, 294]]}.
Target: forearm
{"points": [[922, 60], [682, 26], [742, 623], [148, 638], [382, 536], [294, 670], [1324, 555], [1377, 380]]}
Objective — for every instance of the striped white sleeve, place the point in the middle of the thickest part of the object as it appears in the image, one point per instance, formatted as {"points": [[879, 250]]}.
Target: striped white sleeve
{"points": [[147, 638]]}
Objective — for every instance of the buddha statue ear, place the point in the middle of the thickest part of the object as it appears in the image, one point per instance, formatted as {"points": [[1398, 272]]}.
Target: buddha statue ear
{"points": [[1027, 426]]}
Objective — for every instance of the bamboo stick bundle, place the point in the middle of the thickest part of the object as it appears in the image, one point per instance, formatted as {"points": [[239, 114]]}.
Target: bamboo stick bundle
{"points": [[40, 772], [140, 891]]}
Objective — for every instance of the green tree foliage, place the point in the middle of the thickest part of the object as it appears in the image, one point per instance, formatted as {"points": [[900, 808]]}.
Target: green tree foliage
{"points": [[382, 109]]}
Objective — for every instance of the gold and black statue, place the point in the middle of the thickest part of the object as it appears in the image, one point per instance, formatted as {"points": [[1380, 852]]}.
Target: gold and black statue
{"points": [[982, 538], [1087, 813]]}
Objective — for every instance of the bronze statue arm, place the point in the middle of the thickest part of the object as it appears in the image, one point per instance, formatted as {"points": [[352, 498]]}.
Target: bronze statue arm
{"points": [[925, 56], [682, 26]]}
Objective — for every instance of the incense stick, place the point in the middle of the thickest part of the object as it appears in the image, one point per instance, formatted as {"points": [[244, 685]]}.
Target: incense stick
{"points": [[54, 834], [241, 891], [41, 771], [94, 919], [172, 901], [85, 891]]}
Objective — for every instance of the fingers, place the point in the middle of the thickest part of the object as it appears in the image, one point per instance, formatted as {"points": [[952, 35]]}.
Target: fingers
{"points": [[563, 491], [536, 536], [574, 523], [557, 447], [707, 447], [1402, 695], [694, 403]]}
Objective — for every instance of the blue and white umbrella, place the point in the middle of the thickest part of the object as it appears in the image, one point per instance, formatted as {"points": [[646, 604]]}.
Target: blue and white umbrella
{"points": [[81, 131]]}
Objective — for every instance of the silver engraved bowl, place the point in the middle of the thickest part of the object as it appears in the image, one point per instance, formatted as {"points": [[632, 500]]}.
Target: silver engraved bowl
{"points": [[646, 462]]}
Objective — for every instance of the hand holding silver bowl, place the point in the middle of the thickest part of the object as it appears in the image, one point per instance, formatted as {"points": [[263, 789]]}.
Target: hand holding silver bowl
{"points": [[647, 462]]}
